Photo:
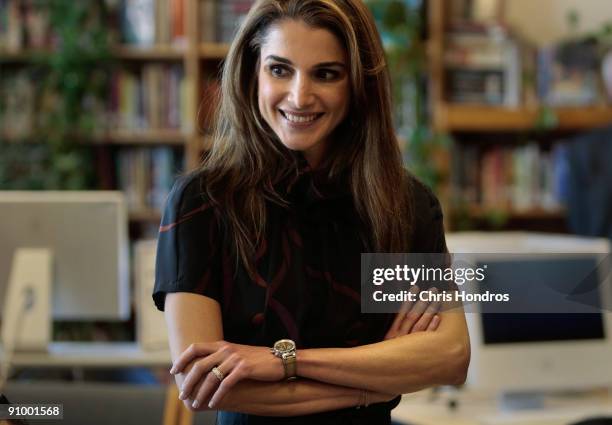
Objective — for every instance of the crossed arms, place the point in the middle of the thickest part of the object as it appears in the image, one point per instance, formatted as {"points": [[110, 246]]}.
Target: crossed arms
{"points": [[419, 352]]}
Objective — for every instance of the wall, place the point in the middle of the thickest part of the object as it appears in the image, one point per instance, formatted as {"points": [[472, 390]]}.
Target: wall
{"points": [[545, 21]]}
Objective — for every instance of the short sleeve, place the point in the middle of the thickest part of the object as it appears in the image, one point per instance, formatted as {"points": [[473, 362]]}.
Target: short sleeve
{"points": [[189, 245], [428, 224]]}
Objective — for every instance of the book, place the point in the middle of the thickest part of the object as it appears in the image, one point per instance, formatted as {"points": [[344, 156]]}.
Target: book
{"points": [[568, 74], [516, 178], [146, 23], [208, 14], [154, 97], [138, 22], [483, 67], [12, 32], [146, 175], [37, 26], [219, 19], [17, 103], [177, 30]]}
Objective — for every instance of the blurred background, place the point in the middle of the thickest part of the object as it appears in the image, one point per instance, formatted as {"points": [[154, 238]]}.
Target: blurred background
{"points": [[489, 97], [503, 107]]}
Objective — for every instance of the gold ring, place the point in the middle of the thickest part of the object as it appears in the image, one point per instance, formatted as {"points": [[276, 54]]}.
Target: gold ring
{"points": [[215, 371]]}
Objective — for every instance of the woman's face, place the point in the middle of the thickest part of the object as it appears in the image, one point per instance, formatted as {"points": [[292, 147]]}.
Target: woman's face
{"points": [[303, 91]]}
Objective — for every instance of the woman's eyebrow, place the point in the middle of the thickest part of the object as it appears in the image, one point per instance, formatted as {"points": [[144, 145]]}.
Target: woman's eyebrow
{"points": [[319, 65], [330, 64]]}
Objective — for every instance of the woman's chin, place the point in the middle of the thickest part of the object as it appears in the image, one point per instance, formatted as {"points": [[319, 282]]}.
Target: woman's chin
{"points": [[299, 146]]}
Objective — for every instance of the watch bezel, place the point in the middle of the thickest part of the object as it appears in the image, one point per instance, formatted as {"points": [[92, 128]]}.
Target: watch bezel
{"points": [[278, 351]]}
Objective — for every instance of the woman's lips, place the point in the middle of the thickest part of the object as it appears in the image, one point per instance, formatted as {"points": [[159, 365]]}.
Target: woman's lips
{"points": [[301, 120]]}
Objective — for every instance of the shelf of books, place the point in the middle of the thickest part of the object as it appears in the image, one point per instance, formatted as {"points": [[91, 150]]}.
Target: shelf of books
{"points": [[524, 181], [153, 124], [510, 106], [149, 125]]}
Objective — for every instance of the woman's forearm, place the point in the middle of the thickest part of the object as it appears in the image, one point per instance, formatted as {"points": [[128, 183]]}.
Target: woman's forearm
{"points": [[400, 365], [299, 397]]}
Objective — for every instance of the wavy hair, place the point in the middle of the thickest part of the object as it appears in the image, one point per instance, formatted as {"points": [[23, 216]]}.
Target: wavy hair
{"points": [[247, 158]]}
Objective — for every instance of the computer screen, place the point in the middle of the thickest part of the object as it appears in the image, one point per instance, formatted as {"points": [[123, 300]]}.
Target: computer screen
{"points": [[87, 235], [541, 342], [503, 328]]}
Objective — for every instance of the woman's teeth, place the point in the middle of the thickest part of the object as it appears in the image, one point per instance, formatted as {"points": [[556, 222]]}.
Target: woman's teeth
{"points": [[299, 118]]}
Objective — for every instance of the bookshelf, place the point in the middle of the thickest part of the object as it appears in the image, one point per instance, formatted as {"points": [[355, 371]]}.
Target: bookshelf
{"points": [[499, 130], [213, 50], [182, 43], [130, 148], [456, 118], [161, 53]]}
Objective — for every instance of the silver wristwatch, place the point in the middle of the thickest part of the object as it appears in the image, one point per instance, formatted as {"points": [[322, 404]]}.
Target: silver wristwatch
{"points": [[284, 349]]}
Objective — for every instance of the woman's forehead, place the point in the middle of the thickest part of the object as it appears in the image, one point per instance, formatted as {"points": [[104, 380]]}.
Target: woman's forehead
{"points": [[302, 44]]}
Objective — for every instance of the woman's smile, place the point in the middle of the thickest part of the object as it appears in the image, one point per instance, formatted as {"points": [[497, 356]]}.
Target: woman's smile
{"points": [[300, 120]]}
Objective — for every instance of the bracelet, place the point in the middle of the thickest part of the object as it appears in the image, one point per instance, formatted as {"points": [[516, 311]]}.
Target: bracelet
{"points": [[363, 399]]}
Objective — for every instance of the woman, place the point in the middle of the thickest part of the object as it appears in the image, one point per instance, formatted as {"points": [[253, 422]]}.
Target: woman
{"points": [[261, 247]]}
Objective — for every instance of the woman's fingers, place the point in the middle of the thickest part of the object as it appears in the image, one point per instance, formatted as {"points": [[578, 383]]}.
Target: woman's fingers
{"points": [[198, 349], [238, 372], [415, 314], [401, 314], [433, 325], [212, 381], [426, 318], [198, 373]]}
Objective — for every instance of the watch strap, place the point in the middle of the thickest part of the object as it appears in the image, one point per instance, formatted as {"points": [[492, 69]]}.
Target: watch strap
{"points": [[290, 364]]}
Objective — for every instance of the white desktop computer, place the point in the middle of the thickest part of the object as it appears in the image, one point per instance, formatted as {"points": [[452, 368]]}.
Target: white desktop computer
{"points": [[64, 256], [528, 353]]}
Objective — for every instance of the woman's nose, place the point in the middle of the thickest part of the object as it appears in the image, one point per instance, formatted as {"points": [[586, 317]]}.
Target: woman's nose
{"points": [[301, 95]]}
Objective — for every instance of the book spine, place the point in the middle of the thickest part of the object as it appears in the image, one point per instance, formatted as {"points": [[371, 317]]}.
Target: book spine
{"points": [[517, 179], [138, 22], [177, 8]]}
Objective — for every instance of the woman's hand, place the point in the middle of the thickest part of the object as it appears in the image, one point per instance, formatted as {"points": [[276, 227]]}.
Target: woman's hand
{"points": [[416, 316], [234, 361]]}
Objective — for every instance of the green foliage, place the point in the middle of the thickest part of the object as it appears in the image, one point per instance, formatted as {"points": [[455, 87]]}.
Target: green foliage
{"points": [[400, 23], [72, 89]]}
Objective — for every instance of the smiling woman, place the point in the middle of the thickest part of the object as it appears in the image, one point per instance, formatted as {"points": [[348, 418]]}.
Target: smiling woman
{"points": [[259, 250], [303, 86]]}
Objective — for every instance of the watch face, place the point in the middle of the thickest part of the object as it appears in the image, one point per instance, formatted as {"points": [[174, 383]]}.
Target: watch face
{"points": [[284, 345]]}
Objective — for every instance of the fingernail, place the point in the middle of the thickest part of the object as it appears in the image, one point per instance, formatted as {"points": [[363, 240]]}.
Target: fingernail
{"points": [[211, 405], [172, 371], [195, 404], [182, 395]]}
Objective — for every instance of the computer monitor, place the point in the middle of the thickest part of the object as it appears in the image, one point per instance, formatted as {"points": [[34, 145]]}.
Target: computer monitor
{"points": [[86, 232], [530, 351]]}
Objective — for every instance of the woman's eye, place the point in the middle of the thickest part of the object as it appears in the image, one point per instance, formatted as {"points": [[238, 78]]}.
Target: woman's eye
{"points": [[327, 74], [278, 71]]}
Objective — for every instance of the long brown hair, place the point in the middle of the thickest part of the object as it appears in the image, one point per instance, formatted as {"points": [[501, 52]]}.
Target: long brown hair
{"points": [[247, 157]]}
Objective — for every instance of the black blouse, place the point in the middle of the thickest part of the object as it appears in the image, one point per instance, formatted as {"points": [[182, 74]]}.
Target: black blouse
{"points": [[307, 286]]}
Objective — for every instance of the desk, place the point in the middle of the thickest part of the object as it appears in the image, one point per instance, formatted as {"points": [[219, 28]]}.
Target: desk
{"points": [[481, 409], [92, 354]]}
